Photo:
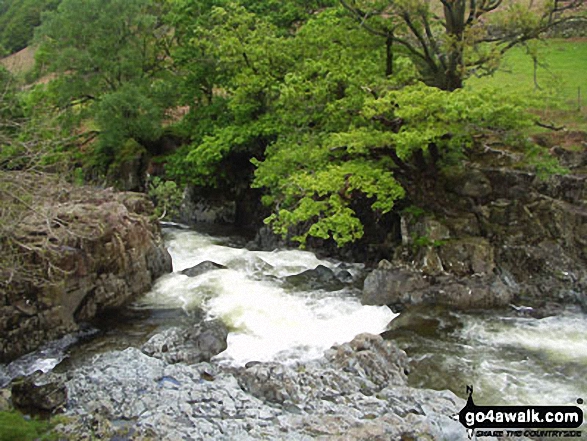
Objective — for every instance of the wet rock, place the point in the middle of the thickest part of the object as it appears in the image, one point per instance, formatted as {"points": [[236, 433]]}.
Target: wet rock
{"points": [[392, 286], [39, 393], [202, 268], [192, 345], [320, 277], [400, 287], [426, 321]]}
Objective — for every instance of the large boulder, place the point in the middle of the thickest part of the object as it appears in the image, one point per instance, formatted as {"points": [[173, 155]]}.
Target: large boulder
{"points": [[102, 249], [320, 277], [400, 287], [192, 345]]}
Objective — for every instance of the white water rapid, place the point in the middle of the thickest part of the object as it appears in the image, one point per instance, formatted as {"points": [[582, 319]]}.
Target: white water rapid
{"points": [[269, 320]]}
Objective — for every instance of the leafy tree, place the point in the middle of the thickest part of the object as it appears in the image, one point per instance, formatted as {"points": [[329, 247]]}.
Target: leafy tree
{"points": [[111, 58], [400, 134], [232, 60], [449, 40], [311, 186]]}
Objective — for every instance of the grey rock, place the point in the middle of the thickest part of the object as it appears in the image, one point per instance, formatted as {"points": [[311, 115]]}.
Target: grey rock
{"points": [[402, 287], [320, 277], [392, 286], [358, 391], [192, 345]]}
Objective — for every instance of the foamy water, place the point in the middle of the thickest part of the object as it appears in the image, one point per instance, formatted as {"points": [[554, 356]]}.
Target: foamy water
{"points": [[269, 320]]}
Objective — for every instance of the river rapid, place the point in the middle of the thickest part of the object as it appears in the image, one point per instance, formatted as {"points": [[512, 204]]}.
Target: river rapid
{"points": [[508, 358]]}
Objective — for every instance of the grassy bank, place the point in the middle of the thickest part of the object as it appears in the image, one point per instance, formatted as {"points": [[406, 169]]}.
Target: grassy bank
{"points": [[561, 71]]}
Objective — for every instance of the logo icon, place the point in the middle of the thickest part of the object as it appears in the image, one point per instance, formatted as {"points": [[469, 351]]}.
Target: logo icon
{"points": [[474, 417]]}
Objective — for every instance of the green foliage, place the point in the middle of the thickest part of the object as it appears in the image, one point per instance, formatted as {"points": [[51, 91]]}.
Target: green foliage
{"points": [[28, 139], [315, 180], [129, 112], [110, 57], [290, 97], [543, 162], [167, 197], [18, 20], [14, 427]]}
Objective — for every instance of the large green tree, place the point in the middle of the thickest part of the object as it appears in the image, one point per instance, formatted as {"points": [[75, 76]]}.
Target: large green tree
{"points": [[110, 58], [352, 134]]}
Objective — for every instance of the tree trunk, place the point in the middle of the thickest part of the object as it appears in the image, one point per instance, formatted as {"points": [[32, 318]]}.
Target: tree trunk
{"points": [[454, 14], [389, 55]]}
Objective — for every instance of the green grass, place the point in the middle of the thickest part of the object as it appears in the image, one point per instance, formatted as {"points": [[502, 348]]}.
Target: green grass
{"points": [[14, 427], [562, 71]]}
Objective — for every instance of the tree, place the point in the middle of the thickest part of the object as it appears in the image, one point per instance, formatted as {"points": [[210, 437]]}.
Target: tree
{"points": [[18, 20], [110, 57], [450, 40], [232, 61]]}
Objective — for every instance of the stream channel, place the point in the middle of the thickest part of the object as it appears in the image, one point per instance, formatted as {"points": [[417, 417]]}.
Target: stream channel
{"points": [[509, 358]]}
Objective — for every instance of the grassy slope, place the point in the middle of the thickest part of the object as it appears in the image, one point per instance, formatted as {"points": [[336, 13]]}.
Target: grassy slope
{"points": [[563, 69]]}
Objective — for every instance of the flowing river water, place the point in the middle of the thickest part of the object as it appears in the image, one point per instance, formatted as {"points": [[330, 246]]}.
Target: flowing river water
{"points": [[509, 359]]}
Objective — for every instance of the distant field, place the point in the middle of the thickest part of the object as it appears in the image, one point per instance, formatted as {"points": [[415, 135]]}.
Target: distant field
{"points": [[563, 68], [20, 62]]}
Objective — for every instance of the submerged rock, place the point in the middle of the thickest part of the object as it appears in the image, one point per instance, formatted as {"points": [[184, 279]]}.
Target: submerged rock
{"points": [[202, 268], [192, 345]]}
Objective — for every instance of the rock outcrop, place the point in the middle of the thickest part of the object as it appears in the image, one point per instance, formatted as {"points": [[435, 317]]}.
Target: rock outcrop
{"points": [[488, 236], [89, 250]]}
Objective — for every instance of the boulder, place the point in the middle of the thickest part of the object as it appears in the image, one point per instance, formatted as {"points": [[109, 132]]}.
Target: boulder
{"points": [[394, 286], [201, 268], [320, 277], [192, 345], [39, 393], [400, 287]]}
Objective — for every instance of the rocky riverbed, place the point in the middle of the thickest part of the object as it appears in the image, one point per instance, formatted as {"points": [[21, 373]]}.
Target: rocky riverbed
{"points": [[357, 391]]}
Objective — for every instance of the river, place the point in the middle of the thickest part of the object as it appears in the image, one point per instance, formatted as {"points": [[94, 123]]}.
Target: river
{"points": [[509, 359]]}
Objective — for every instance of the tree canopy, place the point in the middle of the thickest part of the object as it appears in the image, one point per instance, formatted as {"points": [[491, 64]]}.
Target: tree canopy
{"points": [[326, 107]]}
